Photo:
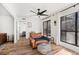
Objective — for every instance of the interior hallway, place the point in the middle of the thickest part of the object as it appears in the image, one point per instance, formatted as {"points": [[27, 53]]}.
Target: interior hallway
{"points": [[22, 47]]}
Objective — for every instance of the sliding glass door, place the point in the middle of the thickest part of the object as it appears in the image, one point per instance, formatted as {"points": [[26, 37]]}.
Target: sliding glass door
{"points": [[70, 29], [47, 28]]}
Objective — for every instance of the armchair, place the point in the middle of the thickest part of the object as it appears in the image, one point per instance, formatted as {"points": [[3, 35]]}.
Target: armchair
{"points": [[35, 39]]}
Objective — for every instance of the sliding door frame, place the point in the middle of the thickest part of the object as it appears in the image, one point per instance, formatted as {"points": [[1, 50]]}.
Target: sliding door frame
{"points": [[76, 32], [47, 27], [76, 19]]}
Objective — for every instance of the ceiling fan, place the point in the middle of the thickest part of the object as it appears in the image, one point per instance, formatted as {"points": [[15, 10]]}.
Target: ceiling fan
{"points": [[40, 13]]}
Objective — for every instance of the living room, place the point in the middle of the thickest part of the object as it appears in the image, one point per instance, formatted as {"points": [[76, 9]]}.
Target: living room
{"points": [[19, 20]]}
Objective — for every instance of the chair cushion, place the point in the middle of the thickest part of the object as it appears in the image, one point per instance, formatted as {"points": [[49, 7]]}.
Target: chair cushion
{"points": [[36, 35]]}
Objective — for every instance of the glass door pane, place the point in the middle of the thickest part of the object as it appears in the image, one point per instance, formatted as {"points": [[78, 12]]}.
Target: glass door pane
{"points": [[63, 36], [63, 29], [49, 28], [63, 24], [70, 28], [45, 27]]}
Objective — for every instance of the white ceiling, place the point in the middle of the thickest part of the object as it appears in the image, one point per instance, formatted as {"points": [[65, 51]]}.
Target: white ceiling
{"points": [[23, 9]]}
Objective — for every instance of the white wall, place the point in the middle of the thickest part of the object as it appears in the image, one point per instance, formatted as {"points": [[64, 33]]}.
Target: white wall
{"points": [[57, 30], [54, 28], [22, 26], [6, 22], [36, 25]]}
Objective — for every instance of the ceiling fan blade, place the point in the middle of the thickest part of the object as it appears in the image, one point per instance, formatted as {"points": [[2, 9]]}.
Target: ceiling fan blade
{"points": [[33, 11], [43, 11], [44, 15]]}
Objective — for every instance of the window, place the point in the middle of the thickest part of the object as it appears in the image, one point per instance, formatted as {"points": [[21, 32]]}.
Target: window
{"points": [[70, 29], [47, 27]]}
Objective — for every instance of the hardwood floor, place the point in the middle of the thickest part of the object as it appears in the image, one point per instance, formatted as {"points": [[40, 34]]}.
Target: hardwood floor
{"points": [[22, 47]]}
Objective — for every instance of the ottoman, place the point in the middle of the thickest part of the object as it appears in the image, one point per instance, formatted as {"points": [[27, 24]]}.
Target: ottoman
{"points": [[44, 48]]}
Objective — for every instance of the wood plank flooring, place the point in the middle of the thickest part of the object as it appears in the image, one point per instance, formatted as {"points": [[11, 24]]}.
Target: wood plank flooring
{"points": [[22, 47]]}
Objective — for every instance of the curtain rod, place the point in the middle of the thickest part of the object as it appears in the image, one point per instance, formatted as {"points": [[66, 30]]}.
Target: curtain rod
{"points": [[69, 7], [64, 9]]}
